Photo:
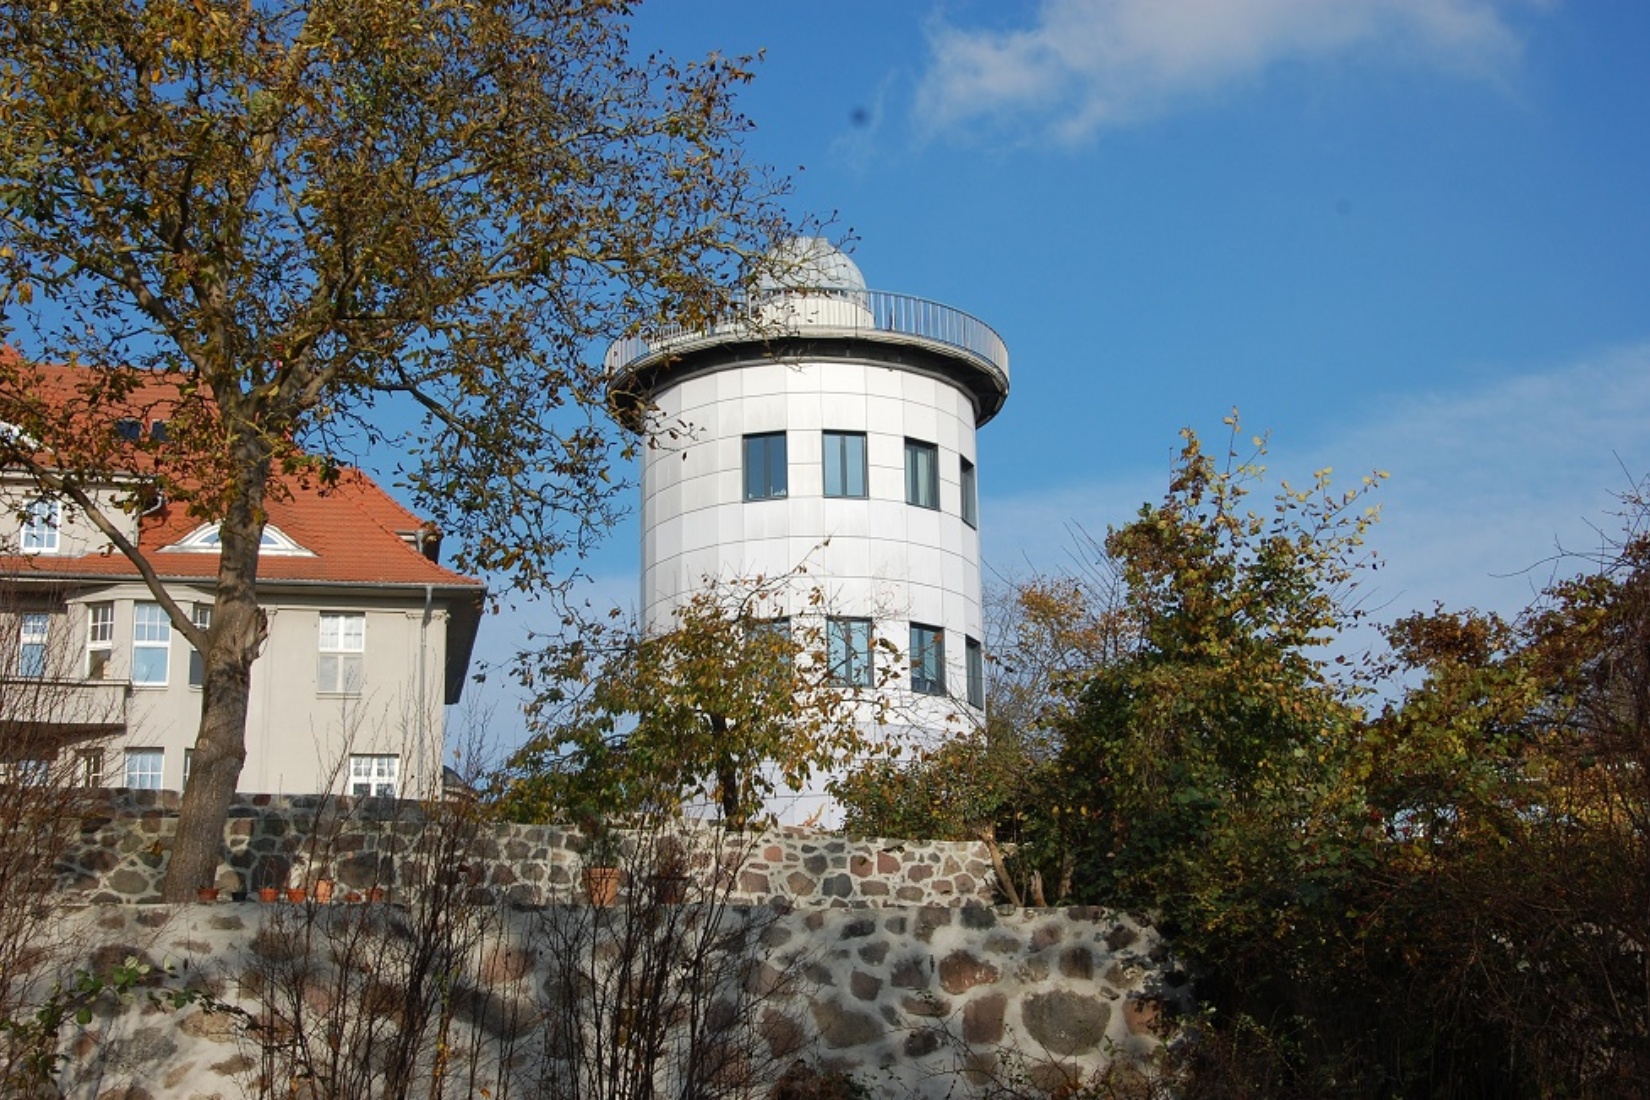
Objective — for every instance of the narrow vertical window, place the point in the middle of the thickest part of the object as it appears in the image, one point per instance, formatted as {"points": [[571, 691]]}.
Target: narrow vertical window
{"points": [[922, 474], [100, 639], [31, 644], [188, 764], [374, 776], [765, 471], [151, 644], [201, 614], [341, 666], [848, 651], [40, 526], [89, 767], [970, 495], [845, 464], [927, 659], [976, 672], [144, 768]]}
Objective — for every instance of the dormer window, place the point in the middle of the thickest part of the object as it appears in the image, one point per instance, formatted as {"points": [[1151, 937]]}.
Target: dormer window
{"points": [[129, 431], [207, 540], [157, 431]]}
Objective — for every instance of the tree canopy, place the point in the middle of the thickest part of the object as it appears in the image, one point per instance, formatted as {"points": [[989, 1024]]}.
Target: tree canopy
{"points": [[321, 219]]}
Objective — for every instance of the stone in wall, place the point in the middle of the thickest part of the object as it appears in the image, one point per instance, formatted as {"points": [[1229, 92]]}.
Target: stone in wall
{"points": [[119, 855], [908, 1002]]}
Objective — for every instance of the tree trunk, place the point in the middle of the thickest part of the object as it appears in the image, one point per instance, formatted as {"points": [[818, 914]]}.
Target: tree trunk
{"points": [[238, 629]]}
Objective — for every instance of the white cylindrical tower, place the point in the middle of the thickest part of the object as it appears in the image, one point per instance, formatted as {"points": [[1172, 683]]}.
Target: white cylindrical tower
{"points": [[830, 426]]}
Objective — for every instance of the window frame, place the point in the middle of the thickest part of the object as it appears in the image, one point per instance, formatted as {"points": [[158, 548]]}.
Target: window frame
{"points": [[927, 659], [974, 662], [969, 479], [88, 765], [922, 488], [850, 641], [342, 653], [201, 615], [33, 641], [141, 644], [100, 619], [775, 476], [41, 528], [836, 447], [370, 775], [137, 766]]}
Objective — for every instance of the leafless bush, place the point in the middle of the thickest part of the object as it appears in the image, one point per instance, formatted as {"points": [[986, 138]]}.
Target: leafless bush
{"points": [[51, 748]]}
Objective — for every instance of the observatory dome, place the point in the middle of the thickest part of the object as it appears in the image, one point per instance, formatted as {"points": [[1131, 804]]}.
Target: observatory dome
{"points": [[810, 263]]}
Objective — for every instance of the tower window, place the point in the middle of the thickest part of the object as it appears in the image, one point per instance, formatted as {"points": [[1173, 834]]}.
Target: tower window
{"points": [[765, 466], [848, 646], [922, 474], [927, 659], [970, 495], [976, 672], [845, 464]]}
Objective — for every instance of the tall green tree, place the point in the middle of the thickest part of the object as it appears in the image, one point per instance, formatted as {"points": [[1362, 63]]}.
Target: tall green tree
{"points": [[309, 214], [731, 705]]}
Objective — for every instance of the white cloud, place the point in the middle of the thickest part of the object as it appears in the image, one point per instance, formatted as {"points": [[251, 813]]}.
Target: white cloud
{"points": [[1087, 64], [1488, 484]]}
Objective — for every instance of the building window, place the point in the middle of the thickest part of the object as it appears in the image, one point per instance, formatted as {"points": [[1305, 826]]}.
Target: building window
{"points": [[89, 767], [341, 668], [31, 643], [201, 615], [976, 672], [100, 639], [922, 474], [143, 768], [927, 659], [765, 466], [128, 431], [845, 464], [374, 776], [848, 649], [40, 526], [151, 644], [970, 495]]}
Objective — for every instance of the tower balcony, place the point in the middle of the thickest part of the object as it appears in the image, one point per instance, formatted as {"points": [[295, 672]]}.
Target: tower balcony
{"points": [[789, 321]]}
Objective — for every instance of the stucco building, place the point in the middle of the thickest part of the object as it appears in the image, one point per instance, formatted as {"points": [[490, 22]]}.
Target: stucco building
{"points": [[369, 636], [832, 426]]}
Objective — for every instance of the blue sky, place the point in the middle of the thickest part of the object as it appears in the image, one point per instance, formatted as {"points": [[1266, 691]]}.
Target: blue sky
{"points": [[1411, 235]]}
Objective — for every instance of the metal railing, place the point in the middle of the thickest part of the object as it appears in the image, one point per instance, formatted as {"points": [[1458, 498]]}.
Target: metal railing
{"points": [[783, 312]]}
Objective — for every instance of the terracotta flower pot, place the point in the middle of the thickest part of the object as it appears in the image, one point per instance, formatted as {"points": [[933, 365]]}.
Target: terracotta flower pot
{"points": [[268, 893], [295, 894], [601, 885], [375, 894], [207, 894]]}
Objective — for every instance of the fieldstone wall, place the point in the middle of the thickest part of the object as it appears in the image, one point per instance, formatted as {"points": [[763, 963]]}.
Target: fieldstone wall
{"points": [[119, 852], [912, 1002]]}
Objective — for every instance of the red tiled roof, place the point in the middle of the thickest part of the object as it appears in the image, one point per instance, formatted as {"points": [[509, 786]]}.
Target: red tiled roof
{"points": [[352, 528], [347, 527]]}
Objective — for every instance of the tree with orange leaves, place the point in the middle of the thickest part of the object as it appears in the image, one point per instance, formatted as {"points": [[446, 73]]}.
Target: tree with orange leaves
{"points": [[329, 225]]}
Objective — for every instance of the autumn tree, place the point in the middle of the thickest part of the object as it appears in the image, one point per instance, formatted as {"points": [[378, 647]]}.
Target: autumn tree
{"points": [[737, 701], [331, 225]]}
